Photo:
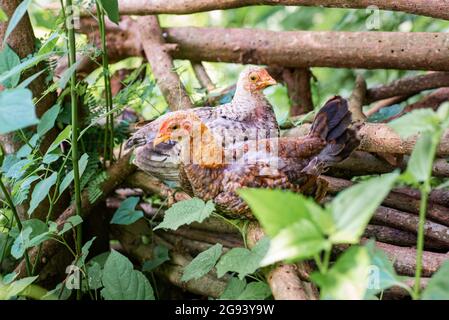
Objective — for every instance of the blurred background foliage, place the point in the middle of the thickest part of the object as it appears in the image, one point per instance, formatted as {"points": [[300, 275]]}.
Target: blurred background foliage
{"points": [[328, 81]]}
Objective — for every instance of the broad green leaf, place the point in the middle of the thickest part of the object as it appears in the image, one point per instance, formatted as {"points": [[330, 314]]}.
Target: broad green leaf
{"points": [[16, 17], [8, 60], [121, 282], [203, 263], [352, 208], [61, 292], [50, 158], [438, 286], [234, 289], [417, 121], [347, 279], [26, 149], [299, 241], [16, 110], [382, 274], [49, 44], [186, 212], [242, 260], [111, 8], [18, 286], [421, 160], [47, 121], [10, 277], [67, 74], [22, 188], [160, 255], [94, 273], [63, 136], [28, 63], [18, 169], [276, 209], [71, 223], [41, 191], [126, 213], [84, 252], [82, 165], [255, 291], [21, 243]]}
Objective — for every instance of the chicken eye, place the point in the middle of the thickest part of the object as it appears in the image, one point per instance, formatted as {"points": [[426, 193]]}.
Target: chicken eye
{"points": [[175, 127], [253, 77]]}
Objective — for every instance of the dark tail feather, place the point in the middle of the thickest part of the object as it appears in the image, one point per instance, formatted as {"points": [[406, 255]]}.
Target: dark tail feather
{"points": [[333, 124]]}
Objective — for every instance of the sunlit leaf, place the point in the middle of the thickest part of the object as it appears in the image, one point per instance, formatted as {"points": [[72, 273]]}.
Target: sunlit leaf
{"points": [[16, 110], [126, 213], [202, 263]]}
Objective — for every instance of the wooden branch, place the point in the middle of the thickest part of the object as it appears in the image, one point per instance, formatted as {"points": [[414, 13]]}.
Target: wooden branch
{"points": [[432, 101], [297, 82], [156, 52], [380, 138], [398, 201], [356, 99], [202, 76], [408, 86], [116, 174], [385, 103], [302, 49], [438, 196], [431, 8]]}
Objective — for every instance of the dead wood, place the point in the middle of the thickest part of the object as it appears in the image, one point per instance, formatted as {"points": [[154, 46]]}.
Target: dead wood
{"points": [[157, 54]]}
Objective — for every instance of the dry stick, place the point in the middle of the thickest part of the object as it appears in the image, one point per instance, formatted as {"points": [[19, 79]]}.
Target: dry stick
{"points": [[356, 99], [369, 50], [431, 8], [380, 138], [438, 196], [399, 201], [116, 174], [202, 76], [408, 86], [299, 91], [157, 54], [432, 101], [385, 103]]}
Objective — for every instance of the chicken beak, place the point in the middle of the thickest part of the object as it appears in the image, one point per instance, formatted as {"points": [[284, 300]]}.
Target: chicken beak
{"points": [[160, 138], [266, 82]]}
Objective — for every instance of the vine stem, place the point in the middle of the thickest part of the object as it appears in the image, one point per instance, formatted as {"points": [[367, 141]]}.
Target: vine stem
{"points": [[75, 127], [420, 241], [17, 218], [109, 128]]}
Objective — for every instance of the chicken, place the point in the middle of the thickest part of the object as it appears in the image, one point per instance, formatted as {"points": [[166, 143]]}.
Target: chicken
{"points": [[208, 172], [249, 113]]}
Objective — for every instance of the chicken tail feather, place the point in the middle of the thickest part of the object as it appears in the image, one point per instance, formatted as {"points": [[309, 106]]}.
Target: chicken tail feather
{"points": [[333, 124]]}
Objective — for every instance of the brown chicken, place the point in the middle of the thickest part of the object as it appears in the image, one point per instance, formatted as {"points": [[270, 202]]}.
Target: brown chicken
{"points": [[248, 114], [211, 171]]}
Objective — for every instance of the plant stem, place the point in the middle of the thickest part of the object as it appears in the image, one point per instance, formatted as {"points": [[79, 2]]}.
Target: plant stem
{"points": [[17, 218], [420, 242], [109, 128], [75, 128]]}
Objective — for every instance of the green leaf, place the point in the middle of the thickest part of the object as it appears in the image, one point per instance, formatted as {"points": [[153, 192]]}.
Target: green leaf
{"points": [[8, 60], [16, 110], [21, 243], [41, 190], [111, 8], [94, 276], [22, 66], [255, 291], [234, 289], [299, 241], [347, 279], [49, 44], [438, 286], [65, 77], [3, 16], [243, 261], [47, 121], [276, 209], [18, 286], [16, 17], [126, 214], [421, 160], [186, 212], [61, 292], [82, 165], [26, 149], [352, 208], [25, 83], [203, 263], [160, 255], [421, 120], [382, 274], [63, 136], [121, 282], [50, 158], [71, 223]]}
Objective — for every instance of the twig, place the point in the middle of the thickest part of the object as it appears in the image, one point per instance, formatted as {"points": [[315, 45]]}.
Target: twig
{"points": [[202, 76]]}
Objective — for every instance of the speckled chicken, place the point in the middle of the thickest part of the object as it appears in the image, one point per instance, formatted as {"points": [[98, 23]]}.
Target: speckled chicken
{"points": [[249, 113], [210, 170]]}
